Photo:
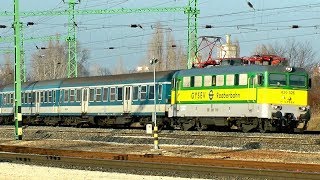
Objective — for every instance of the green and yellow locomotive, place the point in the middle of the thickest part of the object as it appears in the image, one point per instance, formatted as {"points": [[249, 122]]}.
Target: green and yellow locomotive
{"points": [[244, 97]]}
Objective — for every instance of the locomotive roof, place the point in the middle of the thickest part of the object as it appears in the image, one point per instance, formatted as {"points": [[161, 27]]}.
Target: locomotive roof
{"points": [[161, 76], [233, 70]]}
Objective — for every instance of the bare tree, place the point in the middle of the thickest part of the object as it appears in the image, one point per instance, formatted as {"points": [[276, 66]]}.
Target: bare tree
{"points": [[171, 57], [170, 54], [7, 71], [83, 56], [51, 62], [298, 54], [120, 68], [155, 49], [182, 58], [98, 70]]}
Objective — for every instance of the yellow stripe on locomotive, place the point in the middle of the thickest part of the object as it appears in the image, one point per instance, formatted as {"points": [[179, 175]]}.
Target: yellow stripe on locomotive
{"points": [[282, 96], [211, 95]]}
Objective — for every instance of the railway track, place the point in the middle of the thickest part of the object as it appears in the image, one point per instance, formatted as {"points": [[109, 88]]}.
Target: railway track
{"points": [[157, 164], [289, 139]]}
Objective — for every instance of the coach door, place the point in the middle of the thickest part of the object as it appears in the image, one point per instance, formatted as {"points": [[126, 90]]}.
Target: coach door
{"points": [[251, 92], [37, 102], [84, 100], [127, 102]]}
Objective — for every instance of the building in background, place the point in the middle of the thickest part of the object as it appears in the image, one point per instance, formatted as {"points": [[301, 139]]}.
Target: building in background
{"points": [[229, 50]]}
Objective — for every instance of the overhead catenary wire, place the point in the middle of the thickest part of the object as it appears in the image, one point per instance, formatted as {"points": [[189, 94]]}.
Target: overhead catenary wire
{"points": [[175, 29]]}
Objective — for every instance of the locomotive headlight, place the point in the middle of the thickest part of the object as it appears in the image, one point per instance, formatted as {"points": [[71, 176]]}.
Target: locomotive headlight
{"points": [[303, 108], [276, 107], [289, 69]]}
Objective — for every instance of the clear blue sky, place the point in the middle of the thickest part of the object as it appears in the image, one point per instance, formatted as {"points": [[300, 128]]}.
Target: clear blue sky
{"points": [[270, 22]]}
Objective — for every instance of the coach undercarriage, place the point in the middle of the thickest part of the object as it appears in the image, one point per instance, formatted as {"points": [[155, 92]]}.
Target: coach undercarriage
{"points": [[244, 124]]}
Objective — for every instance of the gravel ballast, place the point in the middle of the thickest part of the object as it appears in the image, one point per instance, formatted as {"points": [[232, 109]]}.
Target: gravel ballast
{"points": [[21, 171]]}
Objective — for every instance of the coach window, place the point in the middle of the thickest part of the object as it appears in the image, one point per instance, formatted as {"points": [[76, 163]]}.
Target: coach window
{"points": [[243, 79], [6, 98], [91, 95], [112, 94], [50, 96], [143, 92], [72, 95], [219, 80], [78, 95], [207, 81], [66, 95], [3, 99], [186, 81], [159, 91], [135, 93], [12, 98], [22, 98], [105, 94], [45, 96], [230, 79], [54, 96], [151, 92], [120, 93], [26, 97], [197, 81], [31, 97], [98, 94]]}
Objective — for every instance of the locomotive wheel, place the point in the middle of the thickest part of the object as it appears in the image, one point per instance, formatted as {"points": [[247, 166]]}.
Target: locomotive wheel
{"points": [[186, 126], [263, 126]]}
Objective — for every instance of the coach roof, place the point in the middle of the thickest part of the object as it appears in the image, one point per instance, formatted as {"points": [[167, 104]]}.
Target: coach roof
{"points": [[161, 76]]}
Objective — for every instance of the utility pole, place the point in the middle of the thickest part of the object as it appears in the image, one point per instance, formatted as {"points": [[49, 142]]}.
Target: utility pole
{"points": [[192, 11], [72, 42], [22, 63], [17, 76]]}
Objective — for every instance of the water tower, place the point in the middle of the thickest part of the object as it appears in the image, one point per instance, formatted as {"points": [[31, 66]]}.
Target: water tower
{"points": [[228, 50]]}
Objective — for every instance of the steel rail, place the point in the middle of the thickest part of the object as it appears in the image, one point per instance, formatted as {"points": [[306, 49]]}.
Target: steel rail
{"points": [[181, 170], [155, 163]]}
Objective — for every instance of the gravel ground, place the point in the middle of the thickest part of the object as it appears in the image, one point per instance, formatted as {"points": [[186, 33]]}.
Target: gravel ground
{"points": [[251, 146], [232, 140], [20, 171]]}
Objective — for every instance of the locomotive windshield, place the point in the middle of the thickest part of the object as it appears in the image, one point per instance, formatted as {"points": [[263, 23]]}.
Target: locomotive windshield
{"points": [[297, 80], [283, 80], [277, 80]]}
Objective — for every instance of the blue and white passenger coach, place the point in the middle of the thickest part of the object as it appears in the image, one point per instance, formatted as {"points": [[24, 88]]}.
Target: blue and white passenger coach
{"points": [[125, 100]]}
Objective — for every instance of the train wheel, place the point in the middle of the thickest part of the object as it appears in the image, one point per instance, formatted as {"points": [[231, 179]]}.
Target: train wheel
{"points": [[186, 126], [263, 128]]}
